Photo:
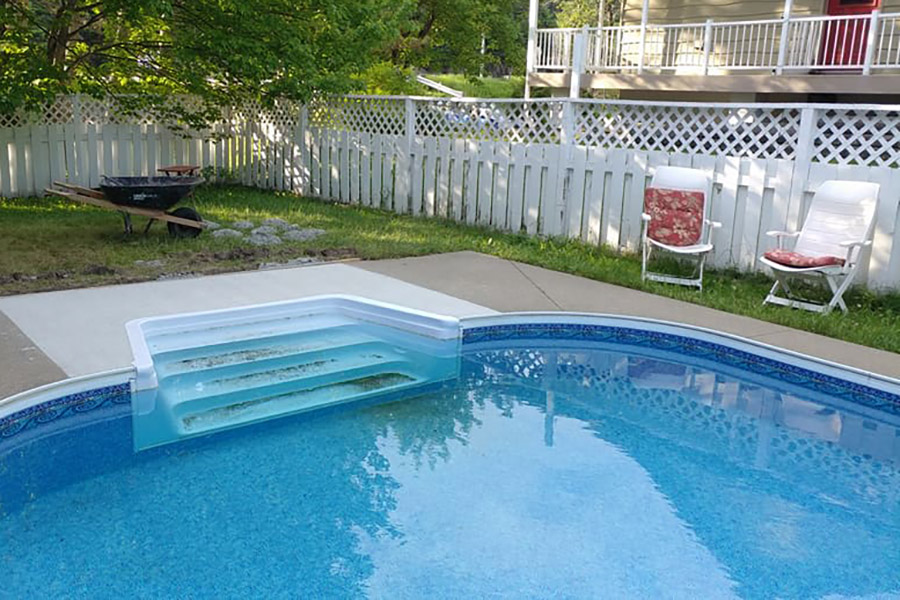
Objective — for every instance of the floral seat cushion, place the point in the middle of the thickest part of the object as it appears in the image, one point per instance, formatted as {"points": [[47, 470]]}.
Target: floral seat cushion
{"points": [[795, 259], [676, 216]]}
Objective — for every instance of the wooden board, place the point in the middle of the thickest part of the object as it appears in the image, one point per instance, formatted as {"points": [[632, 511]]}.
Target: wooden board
{"points": [[134, 210]]}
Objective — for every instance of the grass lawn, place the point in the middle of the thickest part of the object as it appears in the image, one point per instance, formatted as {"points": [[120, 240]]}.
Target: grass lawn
{"points": [[49, 243]]}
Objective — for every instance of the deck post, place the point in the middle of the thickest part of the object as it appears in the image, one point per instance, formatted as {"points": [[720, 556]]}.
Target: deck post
{"points": [[643, 43], [531, 52], [783, 42], [578, 52], [871, 40], [707, 45]]}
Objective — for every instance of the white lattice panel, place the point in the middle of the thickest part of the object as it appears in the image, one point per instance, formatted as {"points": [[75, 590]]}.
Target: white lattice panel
{"points": [[54, 113], [711, 130], [360, 114], [857, 137], [532, 122]]}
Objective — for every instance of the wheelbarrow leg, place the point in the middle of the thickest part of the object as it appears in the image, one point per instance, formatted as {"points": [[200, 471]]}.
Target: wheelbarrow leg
{"points": [[150, 222], [127, 218]]}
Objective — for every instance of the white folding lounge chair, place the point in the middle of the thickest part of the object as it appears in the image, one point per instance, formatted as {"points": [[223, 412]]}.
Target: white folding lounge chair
{"points": [[839, 225], [675, 220]]}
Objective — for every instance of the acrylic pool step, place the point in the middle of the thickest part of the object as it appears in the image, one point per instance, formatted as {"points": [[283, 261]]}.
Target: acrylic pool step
{"points": [[197, 374]]}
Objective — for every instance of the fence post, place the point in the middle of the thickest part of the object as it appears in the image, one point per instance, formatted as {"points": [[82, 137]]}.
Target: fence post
{"points": [[783, 42], [578, 52], [567, 126], [305, 161], [409, 106], [531, 49], [707, 45], [802, 160], [405, 165], [76, 171], [871, 40]]}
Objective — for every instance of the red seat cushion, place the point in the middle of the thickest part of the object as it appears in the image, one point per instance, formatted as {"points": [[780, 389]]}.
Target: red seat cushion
{"points": [[676, 216], [795, 259]]}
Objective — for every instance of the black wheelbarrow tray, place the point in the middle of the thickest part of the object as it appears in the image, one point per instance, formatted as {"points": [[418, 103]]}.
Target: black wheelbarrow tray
{"points": [[145, 196]]}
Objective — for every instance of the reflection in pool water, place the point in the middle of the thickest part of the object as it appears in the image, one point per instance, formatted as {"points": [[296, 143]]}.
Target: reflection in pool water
{"points": [[544, 471]]}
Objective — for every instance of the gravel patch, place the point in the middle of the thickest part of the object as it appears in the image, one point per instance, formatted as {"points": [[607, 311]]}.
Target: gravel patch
{"points": [[227, 233], [277, 223], [260, 239], [264, 230], [302, 235]]}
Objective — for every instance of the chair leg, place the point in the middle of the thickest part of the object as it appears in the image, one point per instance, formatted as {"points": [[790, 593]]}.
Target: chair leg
{"points": [[838, 291], [770, 299], [645, 258], [702, 262]]}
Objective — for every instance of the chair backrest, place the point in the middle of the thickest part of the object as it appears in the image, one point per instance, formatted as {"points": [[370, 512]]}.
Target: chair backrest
{"points": [[681, 178], [840, 211], [678, 205]]}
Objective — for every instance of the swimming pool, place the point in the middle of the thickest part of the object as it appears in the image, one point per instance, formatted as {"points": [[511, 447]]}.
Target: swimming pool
{"points": [[570, 457]]}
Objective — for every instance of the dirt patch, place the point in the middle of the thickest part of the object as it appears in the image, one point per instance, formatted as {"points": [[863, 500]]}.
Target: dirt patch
{"points": [[178, 265], [332, 253], [98, 270]]}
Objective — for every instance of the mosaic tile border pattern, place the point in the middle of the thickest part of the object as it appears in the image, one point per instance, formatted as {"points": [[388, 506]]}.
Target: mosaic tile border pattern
{"points": [[63, 407], [691, 347]]}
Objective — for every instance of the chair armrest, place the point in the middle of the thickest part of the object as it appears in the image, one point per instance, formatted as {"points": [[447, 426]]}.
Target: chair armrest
{"points": [[645, 217], [780, 235], [850, 245], [713, 224]]}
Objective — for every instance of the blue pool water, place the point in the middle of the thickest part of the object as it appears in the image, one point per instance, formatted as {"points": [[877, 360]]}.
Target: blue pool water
{"points": [[547, 469]]}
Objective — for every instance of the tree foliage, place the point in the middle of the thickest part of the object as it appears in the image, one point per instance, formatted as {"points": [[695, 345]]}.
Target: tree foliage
{"points": [[218, 51], [578, 13], [445, 35]]}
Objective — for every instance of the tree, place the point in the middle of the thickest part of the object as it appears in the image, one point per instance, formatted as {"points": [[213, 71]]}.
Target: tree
{"points": [[221, 52], [445, 35], [578, 13]]}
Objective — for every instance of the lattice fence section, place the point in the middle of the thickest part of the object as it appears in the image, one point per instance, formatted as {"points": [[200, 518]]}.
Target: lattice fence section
{"points": [[858, 137], [712, 130], [531, 122], [54, 113], [360, 114]]}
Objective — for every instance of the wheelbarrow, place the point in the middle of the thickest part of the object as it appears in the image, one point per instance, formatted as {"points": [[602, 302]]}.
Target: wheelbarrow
{"points": [[145, 196]]}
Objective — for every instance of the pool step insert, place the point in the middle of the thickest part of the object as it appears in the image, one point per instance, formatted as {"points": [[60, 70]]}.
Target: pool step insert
{"points": [[197, 374], [248, 410]]}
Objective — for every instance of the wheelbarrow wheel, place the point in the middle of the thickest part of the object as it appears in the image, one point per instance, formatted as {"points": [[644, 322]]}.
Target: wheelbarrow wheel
{"points": [[178, 230]]}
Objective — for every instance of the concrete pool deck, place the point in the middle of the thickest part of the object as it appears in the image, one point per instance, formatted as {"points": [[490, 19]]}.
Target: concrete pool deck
{"points": [[48, 336]]}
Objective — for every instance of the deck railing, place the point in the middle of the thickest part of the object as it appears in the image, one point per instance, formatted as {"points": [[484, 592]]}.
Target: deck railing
{"points": [[794, 44]]}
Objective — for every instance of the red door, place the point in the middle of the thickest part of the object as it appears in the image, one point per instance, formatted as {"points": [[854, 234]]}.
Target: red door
{"points": [[844, 40]]}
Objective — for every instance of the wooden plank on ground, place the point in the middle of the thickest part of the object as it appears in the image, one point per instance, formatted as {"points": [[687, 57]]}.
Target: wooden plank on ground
{"points": [[134, 210]]}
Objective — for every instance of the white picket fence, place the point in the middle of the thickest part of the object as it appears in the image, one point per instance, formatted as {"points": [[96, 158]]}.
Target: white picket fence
{"points": [[546, 167]]}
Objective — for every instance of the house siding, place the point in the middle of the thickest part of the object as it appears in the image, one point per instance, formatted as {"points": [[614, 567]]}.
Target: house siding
{"points": [[684, 11]]}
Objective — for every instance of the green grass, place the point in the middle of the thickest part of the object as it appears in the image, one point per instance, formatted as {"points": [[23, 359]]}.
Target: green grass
{"points": [[46, 243]]}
